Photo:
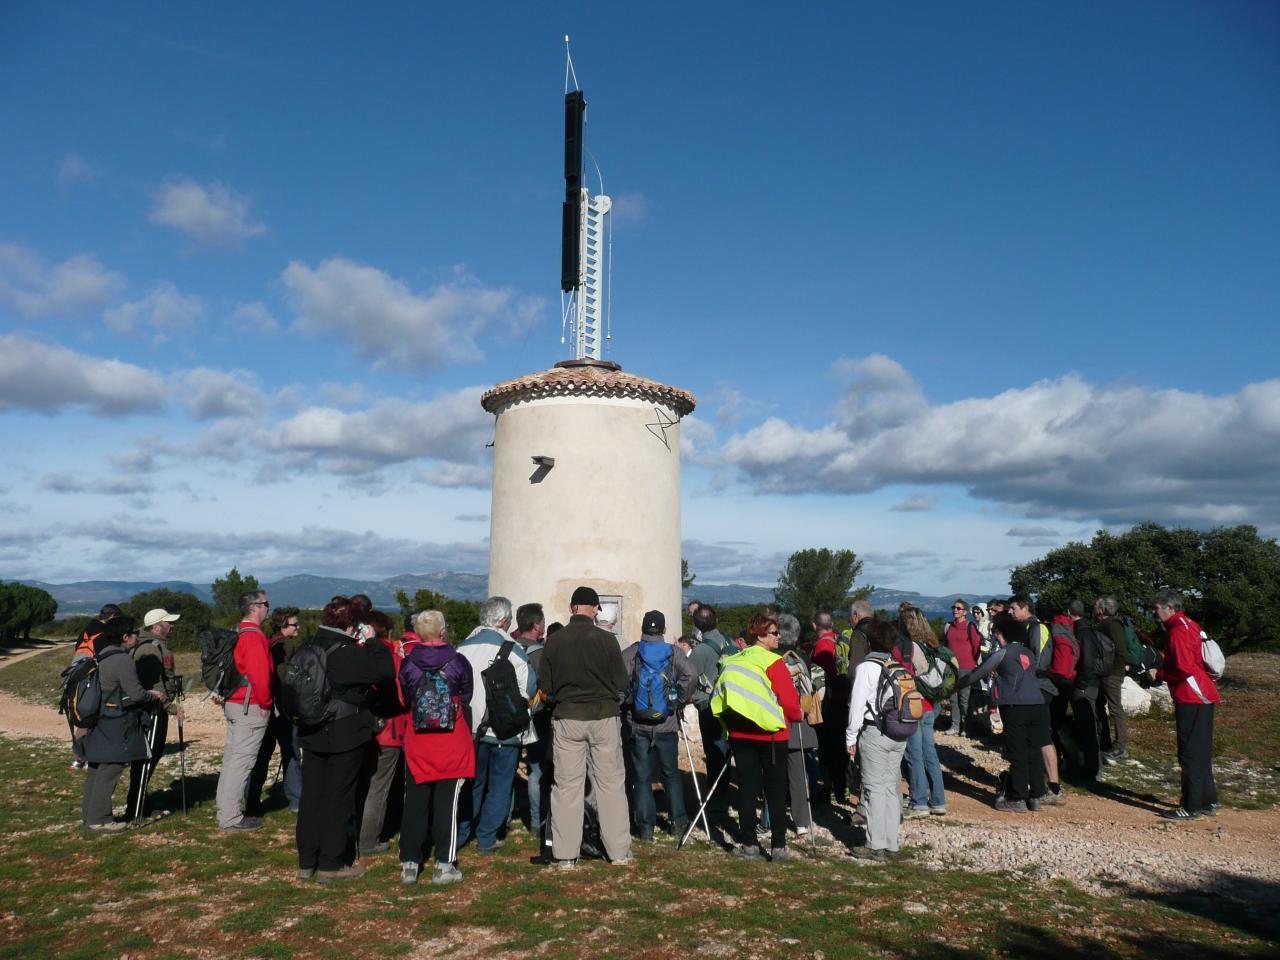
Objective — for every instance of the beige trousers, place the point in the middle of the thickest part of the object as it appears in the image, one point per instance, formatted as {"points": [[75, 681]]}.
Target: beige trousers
{"points": [[574, 741]]}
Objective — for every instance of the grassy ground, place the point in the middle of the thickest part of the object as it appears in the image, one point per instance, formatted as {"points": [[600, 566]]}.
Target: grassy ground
{"points": [[179, 888]]}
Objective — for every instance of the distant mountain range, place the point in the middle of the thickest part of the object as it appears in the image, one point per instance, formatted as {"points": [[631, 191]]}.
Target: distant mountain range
{"points": [[304, 590]]}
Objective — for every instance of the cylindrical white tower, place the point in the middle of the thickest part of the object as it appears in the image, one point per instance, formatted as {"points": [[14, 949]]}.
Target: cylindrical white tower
{"points": [[586, 490]]}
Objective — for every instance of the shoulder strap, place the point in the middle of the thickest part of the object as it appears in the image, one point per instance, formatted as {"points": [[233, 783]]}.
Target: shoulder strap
{"points": [[504, 651]]}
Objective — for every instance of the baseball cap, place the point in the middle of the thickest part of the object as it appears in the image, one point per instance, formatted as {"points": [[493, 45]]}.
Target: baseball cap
{"points": [[654, 623], [584, 596], [157, 615]]}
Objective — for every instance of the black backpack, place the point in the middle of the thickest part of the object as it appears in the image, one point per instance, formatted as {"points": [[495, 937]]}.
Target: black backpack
{"points": [[81, 699], [1106, 658], [218, 661], [306, 696], [506, 712]]}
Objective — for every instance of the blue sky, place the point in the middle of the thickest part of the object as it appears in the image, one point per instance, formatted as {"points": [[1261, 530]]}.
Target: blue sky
{"points": [[953, 284]]}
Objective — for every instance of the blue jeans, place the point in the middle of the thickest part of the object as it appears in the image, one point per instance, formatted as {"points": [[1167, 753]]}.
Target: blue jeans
{"points": [[535, 755], [491, 791], [645, 746], [924, 770]]}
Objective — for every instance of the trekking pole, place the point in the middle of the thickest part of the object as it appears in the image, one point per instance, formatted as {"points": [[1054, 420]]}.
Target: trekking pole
{"points": [[702, 811], [182, 765], [693, 772]]}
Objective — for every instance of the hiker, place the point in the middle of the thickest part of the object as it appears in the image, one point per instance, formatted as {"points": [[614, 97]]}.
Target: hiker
{"points": [[979, 614], [801, 736], [384, 761], [582, 673], [927, 797], [692, 610], [963, 640], [531, 627], [118, 738], [1023, 712], [1084, 693], [440, 757], [879, 755], [281, 732], [497, 751], [153, 660], [85, 648], [1110, 702], [711, 648], [1039, 643], [334, 750], [1194, 697], [832, 756], [662, 682], [756, 701], [246, 712]]}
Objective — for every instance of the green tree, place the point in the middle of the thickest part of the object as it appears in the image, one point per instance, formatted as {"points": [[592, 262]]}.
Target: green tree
{"points": [[686, 578], [1229, 577], [193, 612], [818, 578], [460, 616], [22, 608], [227, 592]]}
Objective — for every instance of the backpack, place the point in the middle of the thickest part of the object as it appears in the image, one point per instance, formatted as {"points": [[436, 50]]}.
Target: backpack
{"points": [[434, 709], [653, 694], [843, 652], [1066, 654], [900, 704], [1132, 643], [506, 712], [936, 671], [306, 697], [81, 699], [218, 661], [1215, 662], [1106, 655]]}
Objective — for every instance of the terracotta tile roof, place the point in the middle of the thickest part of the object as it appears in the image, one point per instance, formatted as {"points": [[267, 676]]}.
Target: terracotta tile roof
{"points": [[586, 379]]}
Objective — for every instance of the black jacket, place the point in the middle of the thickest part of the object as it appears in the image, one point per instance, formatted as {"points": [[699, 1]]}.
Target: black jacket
{"points": [[353, 672], [582, 672], [1086, 682]]}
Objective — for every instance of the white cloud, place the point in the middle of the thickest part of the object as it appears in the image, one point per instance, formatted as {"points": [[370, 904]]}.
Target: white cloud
{"points": [[214, 215], [255, 318], [917, 503], [46, 378], [74, 170], [77, 284], [451, 428], [165, 309], [211, 394], [629, 207], [1065, 448], [1022, 530], [390, 323], [92, 483], [471, 517]]}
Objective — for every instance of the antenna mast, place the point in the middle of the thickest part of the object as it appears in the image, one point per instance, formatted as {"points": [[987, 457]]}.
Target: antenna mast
{"points": [[583, 234]]}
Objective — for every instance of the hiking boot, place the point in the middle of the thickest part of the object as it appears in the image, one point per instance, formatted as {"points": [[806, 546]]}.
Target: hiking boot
{"points": [[409, 871], [1011, 806], [647, 837], [1181, 813], [916, 813], [79, 765], [781, 853], [111, 826], [747, 852], [1054, 798], [938, 811], [445, 873], [306, 873], [245, 823], [1211, 810], [382, 846], [866, 853], [352, 871], [1034, 805], [625, 860], [566, 864], [493, 848]]}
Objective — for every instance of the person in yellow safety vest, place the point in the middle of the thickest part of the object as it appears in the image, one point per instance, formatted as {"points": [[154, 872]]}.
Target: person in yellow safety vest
{"points": [[756, 701]]}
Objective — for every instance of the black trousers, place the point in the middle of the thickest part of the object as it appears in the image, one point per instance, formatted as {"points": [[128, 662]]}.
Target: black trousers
{"points": [[1194, 723], [833, 755], [156, 730], [326, 816], [1084, 728], [1026, 730], [432, 805], [761, 763]]}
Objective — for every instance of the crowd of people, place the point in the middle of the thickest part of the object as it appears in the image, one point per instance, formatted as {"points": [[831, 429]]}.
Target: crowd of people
{"points": [[361, 707]]}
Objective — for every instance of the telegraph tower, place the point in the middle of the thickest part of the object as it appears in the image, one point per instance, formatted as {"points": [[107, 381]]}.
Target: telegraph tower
{"points": [[586, 236]]}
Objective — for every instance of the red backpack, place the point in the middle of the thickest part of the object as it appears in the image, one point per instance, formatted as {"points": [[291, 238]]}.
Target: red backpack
{"points": [[1066, 654]]}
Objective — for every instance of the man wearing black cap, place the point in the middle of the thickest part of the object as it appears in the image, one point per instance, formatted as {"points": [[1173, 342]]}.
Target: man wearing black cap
{"points": [[583, 675]]}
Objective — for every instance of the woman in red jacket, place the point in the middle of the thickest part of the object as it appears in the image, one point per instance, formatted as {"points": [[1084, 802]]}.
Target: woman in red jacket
{"points": [[438, 761], [759, 755], [1194, 695]]}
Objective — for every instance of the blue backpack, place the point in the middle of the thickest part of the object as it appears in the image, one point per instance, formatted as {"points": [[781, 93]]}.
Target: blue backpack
{"points": [[653, 694], [434, 710]]}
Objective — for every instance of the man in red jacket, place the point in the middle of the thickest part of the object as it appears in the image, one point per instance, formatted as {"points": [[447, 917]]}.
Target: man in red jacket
{"points": [[1194, 696], [247, 711]]}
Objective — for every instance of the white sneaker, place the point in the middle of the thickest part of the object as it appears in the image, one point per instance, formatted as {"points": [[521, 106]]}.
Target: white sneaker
{"points": [[446, 873], [409, 872]]}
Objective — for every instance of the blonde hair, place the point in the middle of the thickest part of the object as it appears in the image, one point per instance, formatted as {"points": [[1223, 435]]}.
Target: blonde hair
{"points": [[429, 624], [918, 628]]}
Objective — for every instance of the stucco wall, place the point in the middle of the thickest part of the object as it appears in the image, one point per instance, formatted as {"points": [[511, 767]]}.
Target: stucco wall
{"points": [[606, 515]]}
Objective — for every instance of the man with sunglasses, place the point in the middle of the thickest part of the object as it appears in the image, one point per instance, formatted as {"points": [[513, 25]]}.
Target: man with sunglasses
{"points": [[963, 640], [247, 712]]}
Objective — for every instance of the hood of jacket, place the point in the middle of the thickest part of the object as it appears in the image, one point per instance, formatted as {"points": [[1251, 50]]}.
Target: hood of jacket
{"points": [[430, 656]]}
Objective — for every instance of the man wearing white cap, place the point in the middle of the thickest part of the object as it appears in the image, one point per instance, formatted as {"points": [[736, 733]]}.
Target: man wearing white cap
{"points": [[154, 661]]}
